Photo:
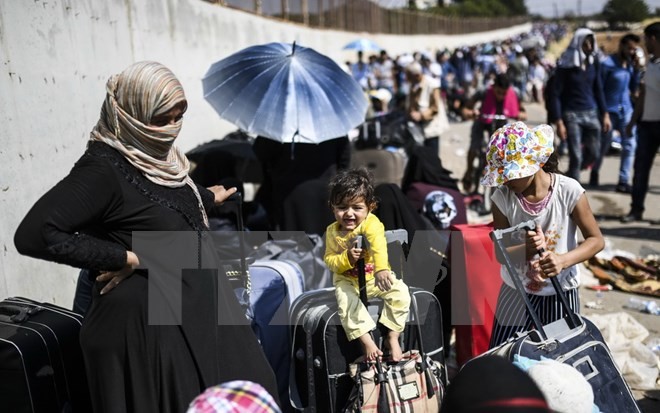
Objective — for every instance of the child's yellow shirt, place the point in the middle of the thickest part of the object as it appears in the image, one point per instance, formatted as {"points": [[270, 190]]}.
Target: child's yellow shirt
{"points": [[337, 243]]}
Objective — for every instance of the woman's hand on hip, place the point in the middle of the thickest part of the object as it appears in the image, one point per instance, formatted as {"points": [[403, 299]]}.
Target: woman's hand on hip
{"points": [[113, 278]]}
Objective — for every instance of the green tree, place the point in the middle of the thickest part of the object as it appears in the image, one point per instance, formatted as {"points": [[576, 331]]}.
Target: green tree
{"points": [[625, 11], [483, 8], [474, 8], [516, 7]]}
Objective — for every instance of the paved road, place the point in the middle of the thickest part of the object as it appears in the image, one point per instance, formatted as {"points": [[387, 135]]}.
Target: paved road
{"points": [[640, 238]]}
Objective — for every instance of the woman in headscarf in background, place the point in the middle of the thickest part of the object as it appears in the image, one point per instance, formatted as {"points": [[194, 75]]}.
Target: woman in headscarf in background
{"points": [[144, 351]]}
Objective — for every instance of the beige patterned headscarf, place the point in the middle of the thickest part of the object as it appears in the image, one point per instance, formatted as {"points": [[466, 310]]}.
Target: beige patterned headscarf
{"points": [[134, 97]]}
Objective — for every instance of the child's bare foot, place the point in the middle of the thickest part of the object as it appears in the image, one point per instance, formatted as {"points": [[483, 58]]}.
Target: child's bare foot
{"points": [[370, 349], [392, 342]]}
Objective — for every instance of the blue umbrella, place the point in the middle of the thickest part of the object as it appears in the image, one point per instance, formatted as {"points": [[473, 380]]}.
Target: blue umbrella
{"points": [[362, 45], [284, 91]]}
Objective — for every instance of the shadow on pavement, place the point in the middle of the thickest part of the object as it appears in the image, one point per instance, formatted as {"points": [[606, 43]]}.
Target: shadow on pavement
{"points": [[651, 401], [649, 233]]}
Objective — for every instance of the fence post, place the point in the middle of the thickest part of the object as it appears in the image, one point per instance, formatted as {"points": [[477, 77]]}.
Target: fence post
{"points": [[285, 9], [305, 12]]}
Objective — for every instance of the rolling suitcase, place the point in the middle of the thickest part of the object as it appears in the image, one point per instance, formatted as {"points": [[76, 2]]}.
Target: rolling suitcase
{"points": [[265, 289], [274, 286], [320, 380], [572, 340], [387, 130], [386, 166], [41, 363]]}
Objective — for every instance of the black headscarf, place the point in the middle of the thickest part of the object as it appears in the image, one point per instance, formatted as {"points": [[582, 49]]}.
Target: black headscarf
{"points": [[425, 166], [492, 384]]}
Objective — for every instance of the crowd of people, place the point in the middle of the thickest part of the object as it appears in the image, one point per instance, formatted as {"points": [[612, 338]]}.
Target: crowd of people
{"points": [[590, 97], [133, 178], [461, 72]]}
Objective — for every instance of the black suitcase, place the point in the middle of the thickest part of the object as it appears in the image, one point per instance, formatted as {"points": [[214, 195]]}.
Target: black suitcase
{"points": [[572, 340], [321, 353], [41, 364]]}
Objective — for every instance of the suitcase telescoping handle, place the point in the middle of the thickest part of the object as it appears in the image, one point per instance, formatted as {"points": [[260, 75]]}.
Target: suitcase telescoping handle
{"points": [[381, 374], [497, 236], [17, 314], [383, 404], [235, 200], [424, 366], [362, 276]]}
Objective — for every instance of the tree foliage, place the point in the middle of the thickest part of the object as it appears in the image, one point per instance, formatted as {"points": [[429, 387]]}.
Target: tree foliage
{"points": [[617, 11], [484, 8]]}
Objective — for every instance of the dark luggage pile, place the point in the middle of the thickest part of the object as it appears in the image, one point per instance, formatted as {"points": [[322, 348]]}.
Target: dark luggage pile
{"points": [[321, 354], [41, 363], [391, 129]]}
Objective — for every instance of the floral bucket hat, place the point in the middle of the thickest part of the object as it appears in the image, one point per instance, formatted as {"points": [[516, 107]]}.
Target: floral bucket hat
{"points": [[516, 151]]}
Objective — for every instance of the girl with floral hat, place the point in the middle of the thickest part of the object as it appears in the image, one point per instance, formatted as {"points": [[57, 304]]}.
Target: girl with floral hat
{"points": [[522, 165]]}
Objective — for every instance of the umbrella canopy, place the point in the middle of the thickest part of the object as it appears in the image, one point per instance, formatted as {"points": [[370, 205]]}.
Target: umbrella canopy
{"points": [[363, 45], [285, 92]]}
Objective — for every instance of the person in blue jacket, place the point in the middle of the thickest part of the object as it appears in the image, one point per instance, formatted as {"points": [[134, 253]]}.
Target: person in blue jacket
{"points": [[620, 77], [578, 102]]}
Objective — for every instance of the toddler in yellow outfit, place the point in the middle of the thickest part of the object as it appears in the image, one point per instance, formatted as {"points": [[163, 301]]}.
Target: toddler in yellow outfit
{"points": [[352, 200]]}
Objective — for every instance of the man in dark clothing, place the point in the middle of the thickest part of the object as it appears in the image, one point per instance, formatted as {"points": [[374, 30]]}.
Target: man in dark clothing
{"points": [[579, 102]]}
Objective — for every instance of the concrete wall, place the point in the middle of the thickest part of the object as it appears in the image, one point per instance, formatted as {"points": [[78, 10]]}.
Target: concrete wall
{"points": [[56, 56]]}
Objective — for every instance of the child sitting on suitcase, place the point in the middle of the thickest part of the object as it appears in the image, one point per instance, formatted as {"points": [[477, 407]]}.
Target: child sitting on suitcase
{"points": [[352, 200], [522, 165]]}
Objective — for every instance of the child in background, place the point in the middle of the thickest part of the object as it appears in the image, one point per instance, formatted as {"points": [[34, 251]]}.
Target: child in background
{"points": [[352, 200], [522, 164]]}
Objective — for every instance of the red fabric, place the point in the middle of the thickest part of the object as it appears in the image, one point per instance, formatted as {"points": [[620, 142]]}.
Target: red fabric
{"points": [[510, 109], [476, 282], [518, 402]]}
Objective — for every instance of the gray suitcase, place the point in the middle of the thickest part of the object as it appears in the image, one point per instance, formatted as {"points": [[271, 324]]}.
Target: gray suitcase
{"points": [[386, 166]]}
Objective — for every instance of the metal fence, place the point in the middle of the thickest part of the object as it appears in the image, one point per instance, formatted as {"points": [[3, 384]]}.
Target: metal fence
{"points": [[367, 16]]}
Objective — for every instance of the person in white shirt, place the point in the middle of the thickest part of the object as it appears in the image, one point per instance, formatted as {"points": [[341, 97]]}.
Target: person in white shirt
{"points": [[647, 117], [522, 165]]}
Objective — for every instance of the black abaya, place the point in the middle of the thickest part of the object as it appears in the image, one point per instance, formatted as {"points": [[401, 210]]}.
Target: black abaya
{"points": [[133, 365]]}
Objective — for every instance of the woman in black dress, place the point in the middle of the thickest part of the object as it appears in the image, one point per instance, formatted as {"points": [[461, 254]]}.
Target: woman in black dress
{"points": [[132, 178]]}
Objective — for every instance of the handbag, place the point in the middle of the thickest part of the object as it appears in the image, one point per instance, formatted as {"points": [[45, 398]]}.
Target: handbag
{"points": [[439, 124], [406, 386]]}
